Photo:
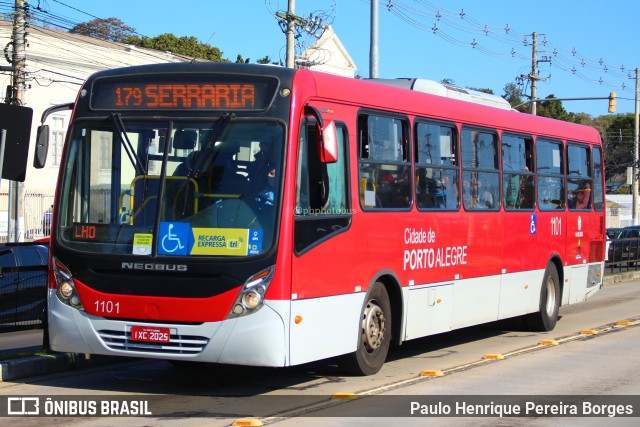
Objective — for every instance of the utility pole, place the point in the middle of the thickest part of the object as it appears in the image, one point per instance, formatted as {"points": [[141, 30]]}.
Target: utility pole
{"points": [[534, 73], [289, 21], [373, 53], [291, 26], [534, 77], [16, 94], [636, 141], [19, 55]]}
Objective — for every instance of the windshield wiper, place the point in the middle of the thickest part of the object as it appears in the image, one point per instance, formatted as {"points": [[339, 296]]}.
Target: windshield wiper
{"points": [[126, 144], [199, 161]]}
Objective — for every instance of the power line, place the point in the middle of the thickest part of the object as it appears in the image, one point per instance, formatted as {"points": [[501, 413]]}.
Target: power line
{"points": [[461, 29], [77, 10]]}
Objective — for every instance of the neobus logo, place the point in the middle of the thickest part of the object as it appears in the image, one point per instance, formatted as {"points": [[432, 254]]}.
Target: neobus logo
{"points": [[153, 267]]}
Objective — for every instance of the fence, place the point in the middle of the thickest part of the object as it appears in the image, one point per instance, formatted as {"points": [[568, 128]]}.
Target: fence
{"points": [[623, 255], [37, 214]]}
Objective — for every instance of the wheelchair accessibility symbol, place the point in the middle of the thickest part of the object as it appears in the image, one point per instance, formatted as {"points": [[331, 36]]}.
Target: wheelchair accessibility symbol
{"points": [[174, 238], [532, 224]]}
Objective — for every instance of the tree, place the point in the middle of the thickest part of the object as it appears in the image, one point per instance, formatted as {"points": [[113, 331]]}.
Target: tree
{"points": [[582, 119], [241, 60], [483, 90], [111, 29], [514, 96], [187, 46], [553, 109], [618, 147], [266, 60]]}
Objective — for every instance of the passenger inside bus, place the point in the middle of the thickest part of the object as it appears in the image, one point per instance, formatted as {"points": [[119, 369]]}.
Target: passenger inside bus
{"points": [[266, 196], [226, 176], [238, 196], [392, 192], [581, 197], [185, 140], [474, 196]]}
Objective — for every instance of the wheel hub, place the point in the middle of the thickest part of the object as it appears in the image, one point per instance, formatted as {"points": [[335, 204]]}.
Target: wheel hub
{"points": [[373, 326]]}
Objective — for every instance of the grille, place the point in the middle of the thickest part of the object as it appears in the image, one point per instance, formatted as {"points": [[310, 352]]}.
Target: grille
{"points": [[179, 344]]}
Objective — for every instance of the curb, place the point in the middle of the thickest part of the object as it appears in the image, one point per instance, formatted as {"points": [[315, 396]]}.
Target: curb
{"points": [[52, 363], [620, 277]]}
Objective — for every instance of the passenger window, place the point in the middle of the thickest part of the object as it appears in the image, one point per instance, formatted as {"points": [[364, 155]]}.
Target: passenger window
{"points": [[384, 167], [598, 180], [549, 165], [518, 189], [480, 173], [322, 207], [436, 167], [579, 183]]}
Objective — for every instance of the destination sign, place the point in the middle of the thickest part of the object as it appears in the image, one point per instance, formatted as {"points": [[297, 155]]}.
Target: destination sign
{"points": [[199, 92]]}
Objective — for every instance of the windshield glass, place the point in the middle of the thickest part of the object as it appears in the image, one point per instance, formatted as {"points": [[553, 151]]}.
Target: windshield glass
{"points": [[218, 197]]}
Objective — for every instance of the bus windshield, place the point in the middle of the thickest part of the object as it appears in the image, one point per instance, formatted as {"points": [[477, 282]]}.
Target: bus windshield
{"points": [[165, 188]]}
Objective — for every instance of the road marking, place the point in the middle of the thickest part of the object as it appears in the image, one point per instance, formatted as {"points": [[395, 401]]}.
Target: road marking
{"points": [[493, 356], [344, 396], [247, 422], [431, 373]]}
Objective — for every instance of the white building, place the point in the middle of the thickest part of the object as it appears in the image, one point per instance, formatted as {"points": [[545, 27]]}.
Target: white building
{"points": [[57, 63], [328, 54]]}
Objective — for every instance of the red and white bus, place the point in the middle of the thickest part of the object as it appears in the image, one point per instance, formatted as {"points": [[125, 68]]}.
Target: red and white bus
{"points": [[256, 215]]}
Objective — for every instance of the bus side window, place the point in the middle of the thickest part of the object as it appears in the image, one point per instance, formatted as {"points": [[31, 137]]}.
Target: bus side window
{"points": [[480, 170], [436, 166], [598, 180], [551, 179], [517, 172], [579, 186], [384, 167], [321, 190]]}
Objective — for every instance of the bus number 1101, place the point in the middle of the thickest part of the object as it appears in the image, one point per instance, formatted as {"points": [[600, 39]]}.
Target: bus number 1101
{"points": [[556, 226], [107, 307]]}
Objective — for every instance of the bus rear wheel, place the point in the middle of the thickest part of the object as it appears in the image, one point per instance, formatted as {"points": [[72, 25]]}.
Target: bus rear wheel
{"points": [[375, 334], [545, 319]]}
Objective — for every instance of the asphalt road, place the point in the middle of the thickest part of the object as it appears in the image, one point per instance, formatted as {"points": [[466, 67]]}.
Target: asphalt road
{"points": [[28, 340], [603, 364]]}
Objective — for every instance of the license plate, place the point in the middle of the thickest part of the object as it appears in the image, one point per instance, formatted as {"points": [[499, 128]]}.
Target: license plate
{"points": [[150, 334]]}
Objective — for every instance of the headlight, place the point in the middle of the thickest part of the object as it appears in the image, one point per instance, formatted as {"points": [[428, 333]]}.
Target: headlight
{"points": [[66, 292], [251, 299], [251, 296]]}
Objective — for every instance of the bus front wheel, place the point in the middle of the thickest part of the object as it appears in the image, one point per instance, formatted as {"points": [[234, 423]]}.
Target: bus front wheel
{"points": [[374, 334], [545, 319]]}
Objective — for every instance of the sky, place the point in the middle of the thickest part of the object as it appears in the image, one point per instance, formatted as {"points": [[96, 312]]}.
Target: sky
{"points": [[592, 45]]}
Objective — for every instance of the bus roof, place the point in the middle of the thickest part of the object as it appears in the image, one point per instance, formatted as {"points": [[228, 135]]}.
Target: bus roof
{"points": [[448, 91]]}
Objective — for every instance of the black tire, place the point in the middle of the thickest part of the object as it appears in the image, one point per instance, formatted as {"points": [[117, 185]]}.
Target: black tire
{"points": [[545, 319], [375, 335]]}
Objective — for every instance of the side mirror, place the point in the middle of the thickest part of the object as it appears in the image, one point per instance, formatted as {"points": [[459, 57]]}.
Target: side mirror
{"points": [[42, 147], [329, 144], [42, 138]]}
